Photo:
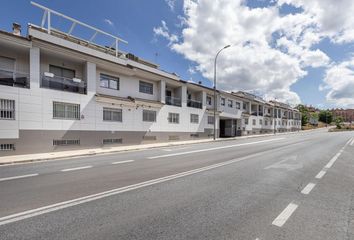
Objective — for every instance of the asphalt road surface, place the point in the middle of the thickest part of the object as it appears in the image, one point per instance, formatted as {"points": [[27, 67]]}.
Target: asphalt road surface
{"points": [[294, 186]]}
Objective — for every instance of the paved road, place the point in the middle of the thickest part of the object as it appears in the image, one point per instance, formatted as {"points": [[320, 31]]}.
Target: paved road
{"points": [[296, 186]]}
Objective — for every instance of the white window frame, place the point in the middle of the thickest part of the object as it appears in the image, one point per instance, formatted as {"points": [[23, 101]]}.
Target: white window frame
{"points": [[210, 120], [110, 112], [173, 118], [209, 100], [7, 109], [230, 103], [68, 114], [222, 101], [194, 118], [146, 87], [109, 79], [149, 115], [238, 105]]}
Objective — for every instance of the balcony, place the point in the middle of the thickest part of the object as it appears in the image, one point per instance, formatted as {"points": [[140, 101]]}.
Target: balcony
{"points": [[63, 84], [14, 79], [260, 113], [194, 104], [173, 101]]}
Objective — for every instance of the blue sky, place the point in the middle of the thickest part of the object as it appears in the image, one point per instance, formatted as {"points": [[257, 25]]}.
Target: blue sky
{"points": [[183, 36]]}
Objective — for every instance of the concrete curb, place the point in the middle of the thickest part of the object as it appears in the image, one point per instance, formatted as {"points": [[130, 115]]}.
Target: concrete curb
{"points": [[29, 158]]}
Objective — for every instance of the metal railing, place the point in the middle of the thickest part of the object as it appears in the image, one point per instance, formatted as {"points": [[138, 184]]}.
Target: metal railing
{"points": [[47, 18], [14, 78], [254, 113], [63, 84], [194, 103], [173, 101]]}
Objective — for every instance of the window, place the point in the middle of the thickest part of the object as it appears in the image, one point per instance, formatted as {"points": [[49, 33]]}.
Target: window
{"points": [[254, 122], [149, 116], [244, 106], [62, 72], [260, 121], [145, 87], [112, 140], [208, 99], [7, 109], [222, 101], [238, 105], [266, 122], [246, 121], [194, 118], [210, 119], [112, 114], [173, 117], [230, 103], [7, 146], [66, 142], [66, 110], [107, 81]]}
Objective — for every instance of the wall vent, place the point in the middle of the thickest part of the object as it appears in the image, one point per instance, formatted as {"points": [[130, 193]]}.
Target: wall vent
{"points": [[7, 147], [66, 142]]}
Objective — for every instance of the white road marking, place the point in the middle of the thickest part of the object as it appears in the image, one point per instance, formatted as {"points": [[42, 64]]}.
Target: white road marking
{"points": [[18, 177], [352, 143], [215, 148], [285, 215], [74, 169], [174, 149], [126, 161], [308, 188], [332, 161], [320, 174], [61, 205]]}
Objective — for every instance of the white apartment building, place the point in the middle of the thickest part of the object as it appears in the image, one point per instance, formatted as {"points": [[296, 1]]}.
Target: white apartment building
{"points": [[60, 92]]}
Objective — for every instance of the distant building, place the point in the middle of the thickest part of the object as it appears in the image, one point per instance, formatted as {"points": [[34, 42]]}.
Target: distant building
{"points": [[346, 114]]}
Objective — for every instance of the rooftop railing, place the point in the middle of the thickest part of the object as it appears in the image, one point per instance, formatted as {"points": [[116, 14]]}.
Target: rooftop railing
{"points": [[14, 78], [63, 84]]}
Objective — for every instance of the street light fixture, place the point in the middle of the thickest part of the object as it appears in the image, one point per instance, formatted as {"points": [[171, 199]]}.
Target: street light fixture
{"points": [[215, 87]]}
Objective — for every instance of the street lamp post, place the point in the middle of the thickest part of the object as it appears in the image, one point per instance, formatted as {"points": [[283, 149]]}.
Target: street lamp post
{"points": [[217, 54]]}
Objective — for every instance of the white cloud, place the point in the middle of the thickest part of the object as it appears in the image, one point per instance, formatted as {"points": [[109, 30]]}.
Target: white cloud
{"points": [[163, 31], [339, 82], [109, 22], [171, 4], [280, 47]]}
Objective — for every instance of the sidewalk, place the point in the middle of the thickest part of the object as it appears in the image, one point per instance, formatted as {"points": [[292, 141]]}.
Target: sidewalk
{"points": [[93, 151]]}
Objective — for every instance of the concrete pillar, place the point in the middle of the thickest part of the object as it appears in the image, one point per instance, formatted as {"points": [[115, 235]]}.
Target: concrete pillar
{"points": [[204, 95], [35, 72], [184, 95], [162, 91], [90, 74]]}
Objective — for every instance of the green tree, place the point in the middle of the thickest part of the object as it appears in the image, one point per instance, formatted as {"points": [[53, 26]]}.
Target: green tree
{"points": [[325, 116], [304, 114], [339, 121]]}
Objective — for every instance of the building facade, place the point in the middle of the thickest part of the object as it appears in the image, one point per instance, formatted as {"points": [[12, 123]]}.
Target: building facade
{"points": [[58, 92], [346, 114]]}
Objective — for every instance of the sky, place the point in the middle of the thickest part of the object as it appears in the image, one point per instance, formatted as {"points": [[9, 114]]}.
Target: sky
{"points": [[295, 51]]}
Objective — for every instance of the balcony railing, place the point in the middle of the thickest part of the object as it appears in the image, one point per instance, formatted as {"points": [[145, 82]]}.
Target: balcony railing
{"points": [[194, 103], [254, 113], [14, 79], [63, 84], [173, 101]]}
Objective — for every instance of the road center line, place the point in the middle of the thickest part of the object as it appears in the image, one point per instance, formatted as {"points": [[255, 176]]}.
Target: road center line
{"points": [[18, 177], [308, 188], [61, 205], [74, 169], [119, 162], [285, 215], [215, 148], [320, 174]]}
